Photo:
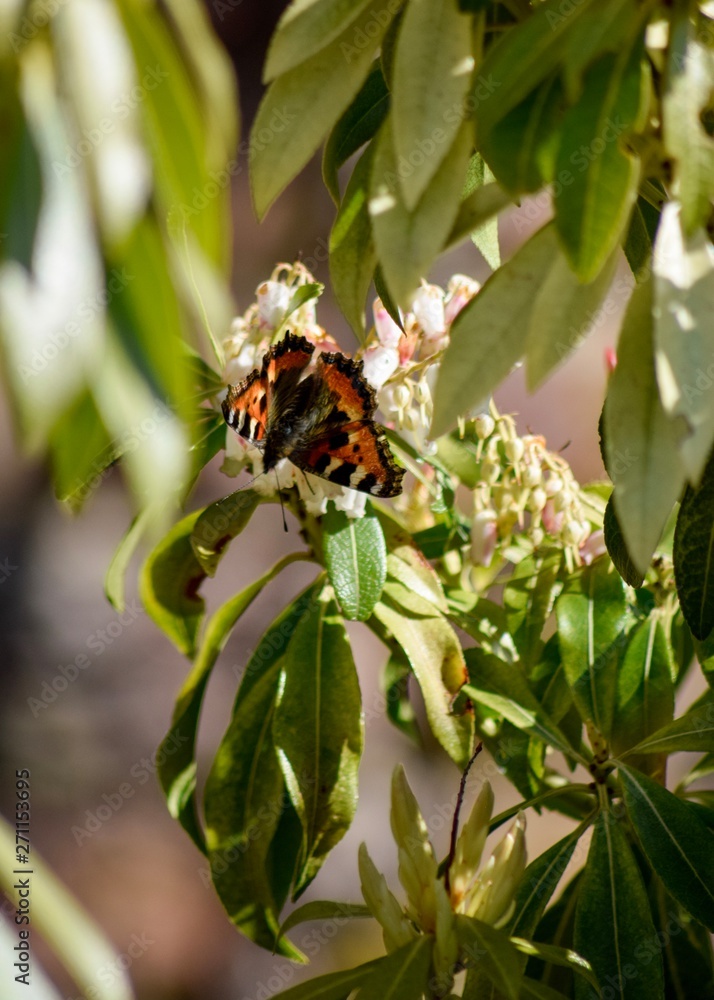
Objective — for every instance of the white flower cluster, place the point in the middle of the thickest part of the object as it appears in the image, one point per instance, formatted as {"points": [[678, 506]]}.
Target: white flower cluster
{"points": [[526, 488]]}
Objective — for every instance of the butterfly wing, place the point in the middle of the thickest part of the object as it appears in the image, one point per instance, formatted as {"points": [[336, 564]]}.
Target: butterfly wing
{"points": [[254, 406], [355, 455]]}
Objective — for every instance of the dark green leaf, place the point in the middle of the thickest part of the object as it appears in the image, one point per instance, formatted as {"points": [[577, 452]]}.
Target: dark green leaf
{"points": [[538, 883], [324, 909], [352, 254], [318, 732], [678, 845], [81, 453], [554, 955], [475, 210], [693, 551], [612, 917], [645, 689], [528, 599], [356, 561], [686, 948], [385, 295], [219, 524], [591, 614], [358, 125], [403, 974], [617, 547], [169, 583], [693, 732], [594, 205], [334, 985], [491, 951], [396, 692], [243, 802], [176, 757], [640, 239], [489, 334]]}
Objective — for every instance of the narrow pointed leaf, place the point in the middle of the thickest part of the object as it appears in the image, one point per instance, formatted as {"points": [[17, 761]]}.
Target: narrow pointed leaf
{"points": [[356, 560], [304, 29], [539, 882], [528, 599], [318, 732], [613, 917], [489, 335], [484, 946], [475, 210], [677, 843], [641, 441], [334, 985], [403, 974], [324, 909], [219, 524], [694, 555], [693, 732], [591, 613], [617, 547], [169, 584]]}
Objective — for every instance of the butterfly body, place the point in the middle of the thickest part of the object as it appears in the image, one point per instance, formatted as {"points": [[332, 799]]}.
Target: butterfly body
{"points": [[322, 421]]}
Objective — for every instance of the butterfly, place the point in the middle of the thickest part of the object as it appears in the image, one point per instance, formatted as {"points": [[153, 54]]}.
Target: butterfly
{"points": [[321, 421]]}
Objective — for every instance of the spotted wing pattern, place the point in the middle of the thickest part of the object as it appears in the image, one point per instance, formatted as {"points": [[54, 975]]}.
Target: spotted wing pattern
{"points": [[355, 455]]}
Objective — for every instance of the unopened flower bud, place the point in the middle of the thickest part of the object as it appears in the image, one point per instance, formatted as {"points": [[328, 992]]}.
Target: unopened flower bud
{"points": [[514, 449], [470, 845], [402, 396], [573, 533], [537, 535], [490, 471], [273, 299], [531, 475], [428, 308], [537, 499], [562, 500], [422, 392], [553, 485], [417, 864], [492, 898], [484, 535], [396, 928], [388, 333], [461, 289], [485, 425]]}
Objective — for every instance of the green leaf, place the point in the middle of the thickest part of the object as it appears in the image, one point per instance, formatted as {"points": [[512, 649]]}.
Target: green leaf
{"points": [[81, 452], [554, 955], [219, 524], [617, 547], [385, 295], [640, 439], [475, 210], [689, 81], [353, 257], [324, 909], [645, 689], [396, 692], [528, 599], [431, 646], [640, 238], [306, 28], [591, 614], [521, 147], [433, 65], [535, 47], [591, 36], [176, 757], [594, 206], [692, 732], [407, 241], [538, 883], [485, 236], [243, 802], [303, 104], [358, 125], [334, 985], [356, 561], [491, 951], [169, 583], [406, 563], [678, 845], [684, 335], [489, 334], [563, 304], [318, 732], [693, 550], [114, 579], [403, 974], [613, 917], [686, 947], [177, 127], [503, 688], [532, 988]]}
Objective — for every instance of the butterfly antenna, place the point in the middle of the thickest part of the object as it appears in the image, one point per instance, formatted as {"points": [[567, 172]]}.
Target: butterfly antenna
{"points": [[280, 498]]}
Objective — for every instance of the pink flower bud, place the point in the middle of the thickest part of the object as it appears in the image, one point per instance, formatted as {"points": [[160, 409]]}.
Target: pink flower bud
{"points": [[428, 309], [460, 291], [388, 333], [484, 535]]}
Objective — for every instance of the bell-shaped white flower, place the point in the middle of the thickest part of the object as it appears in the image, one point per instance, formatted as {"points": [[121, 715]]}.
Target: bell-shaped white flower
{"points": [[379, 364], [388, 333], [273, 298]]}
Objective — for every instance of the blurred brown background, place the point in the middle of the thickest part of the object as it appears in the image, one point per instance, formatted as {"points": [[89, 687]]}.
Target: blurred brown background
{"points": [[136, 872]]}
